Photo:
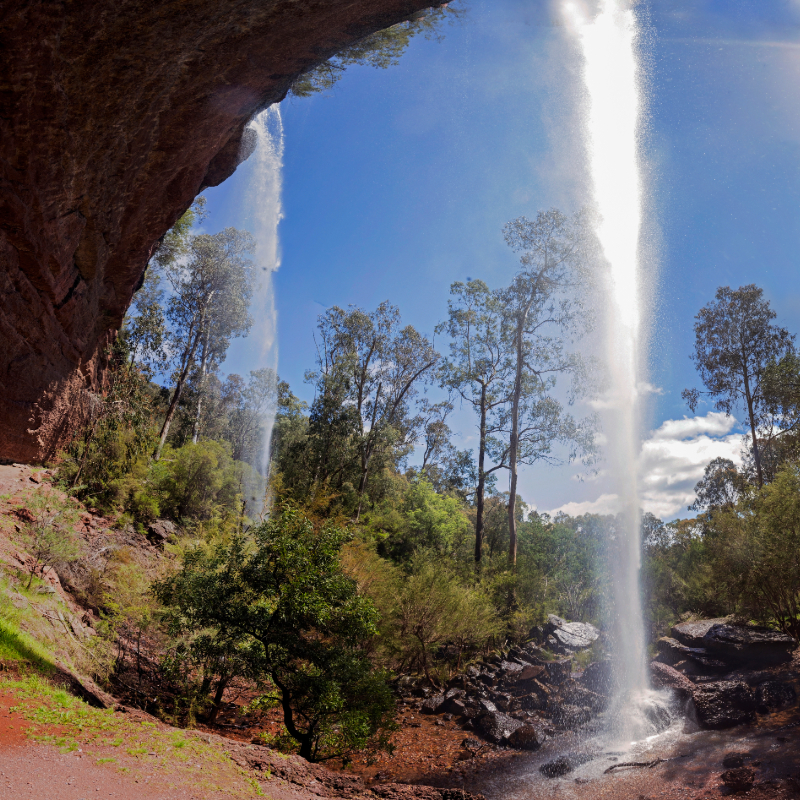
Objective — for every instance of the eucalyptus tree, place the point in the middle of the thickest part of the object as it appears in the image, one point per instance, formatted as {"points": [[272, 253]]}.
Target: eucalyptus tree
{"points": [[145, 329], [372, 367], [542, 313], [249, 403], [735, 342], [477, 370], [208, 306]]}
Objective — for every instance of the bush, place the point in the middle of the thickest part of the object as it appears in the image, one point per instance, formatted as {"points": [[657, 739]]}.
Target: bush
{"points": [[278, 599]]}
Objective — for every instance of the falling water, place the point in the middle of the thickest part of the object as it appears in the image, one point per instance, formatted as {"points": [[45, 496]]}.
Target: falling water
{"points": [[265, 212], [608, 41]]}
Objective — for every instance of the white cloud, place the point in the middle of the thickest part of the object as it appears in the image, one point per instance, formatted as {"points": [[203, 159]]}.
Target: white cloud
{"points": [[714, 423], [605, 504], [671, 462]]}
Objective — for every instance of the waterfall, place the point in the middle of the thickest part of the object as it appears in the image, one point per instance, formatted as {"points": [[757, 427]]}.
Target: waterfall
{"points": [[265, 212], [608, 42]]}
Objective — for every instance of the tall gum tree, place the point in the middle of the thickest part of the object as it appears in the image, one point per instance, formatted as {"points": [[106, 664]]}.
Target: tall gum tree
{"points": [[543, 313], [380, 366], [735, 342], [209, 302], [476, 370]]}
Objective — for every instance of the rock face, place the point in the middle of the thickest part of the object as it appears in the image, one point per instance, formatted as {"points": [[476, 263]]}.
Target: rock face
{"points": [[113, 116], [734, 645], [724, 704]]}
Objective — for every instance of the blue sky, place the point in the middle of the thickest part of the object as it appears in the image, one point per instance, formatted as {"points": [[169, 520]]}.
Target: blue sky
{"points": [[398, 183]]}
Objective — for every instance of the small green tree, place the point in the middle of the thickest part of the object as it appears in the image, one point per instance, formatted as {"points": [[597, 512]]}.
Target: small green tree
{"points": [[49, 536], [280, 596]]}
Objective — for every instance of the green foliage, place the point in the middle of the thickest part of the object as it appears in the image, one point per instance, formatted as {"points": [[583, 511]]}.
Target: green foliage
{"points": [[196, 479], [278, 597], [49, 537], [380, 50]]}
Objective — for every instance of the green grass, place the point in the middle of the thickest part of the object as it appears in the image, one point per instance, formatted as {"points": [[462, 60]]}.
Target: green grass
{"points": [[16, 645]]}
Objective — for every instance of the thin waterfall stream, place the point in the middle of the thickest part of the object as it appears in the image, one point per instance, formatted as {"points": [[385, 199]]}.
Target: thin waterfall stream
{"points": [[613, 84], [265, 212]]}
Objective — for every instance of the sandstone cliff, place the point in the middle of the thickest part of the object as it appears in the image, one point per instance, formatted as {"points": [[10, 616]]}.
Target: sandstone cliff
{"points": [[114, 115]]}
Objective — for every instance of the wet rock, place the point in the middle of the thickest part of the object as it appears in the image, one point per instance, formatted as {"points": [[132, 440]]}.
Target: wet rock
{"points": [[739, 779], [485, 705], [530, 672], [671, 651], [496, 726], [459, 708], [772, 695], [724, 704], [527, 737], [734, 760], [598, 677], [564, 764], [736, 644], [666, 677], [571, 717], [559, 671]]}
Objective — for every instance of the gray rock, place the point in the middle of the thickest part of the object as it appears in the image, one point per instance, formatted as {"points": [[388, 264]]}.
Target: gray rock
{"points": [[724, 704], [527, 737], [433, 704], [496, 726], [666, 677], [160, 530], [738, 644], [598, 677]]}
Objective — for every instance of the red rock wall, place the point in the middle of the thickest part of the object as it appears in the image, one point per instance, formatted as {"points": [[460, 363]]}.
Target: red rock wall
{"points": [[114, 114]]}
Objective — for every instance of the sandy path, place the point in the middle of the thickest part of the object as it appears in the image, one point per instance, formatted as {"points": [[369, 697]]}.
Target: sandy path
{"points": [[38, 771]]}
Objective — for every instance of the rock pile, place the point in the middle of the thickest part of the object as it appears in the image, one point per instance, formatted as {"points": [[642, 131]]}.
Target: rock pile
{"points": [[730, 672], [523, 696]]}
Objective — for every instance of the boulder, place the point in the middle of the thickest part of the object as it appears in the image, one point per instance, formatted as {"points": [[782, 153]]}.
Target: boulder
{"points": [[564, 764], [570, 717], [772, 695], [159, 531], [736, 644], [724, 704], [671, 651], [732, 760], [530, 672], [598, 677], [433, 705], [559, 671], [569, 637], [666, 677], [739, 779], [496, 726], [527, 737]]}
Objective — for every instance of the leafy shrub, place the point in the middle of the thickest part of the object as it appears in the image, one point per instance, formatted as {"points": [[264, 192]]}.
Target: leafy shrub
{"points": [[278, 599]]}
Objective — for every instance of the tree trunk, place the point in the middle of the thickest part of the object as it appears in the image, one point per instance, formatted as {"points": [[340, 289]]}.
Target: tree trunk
{"points": [[203, 364], [216, 703], [479, 492], [756, 454], [513, 446], [176, 396]]}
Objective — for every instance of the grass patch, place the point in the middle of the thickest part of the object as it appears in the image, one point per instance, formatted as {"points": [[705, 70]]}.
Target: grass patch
{"points": [[145, 748], [16, 645]]}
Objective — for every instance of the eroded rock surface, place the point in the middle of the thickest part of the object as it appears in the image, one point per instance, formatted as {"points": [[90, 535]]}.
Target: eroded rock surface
{"points": [[113, 116]]}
